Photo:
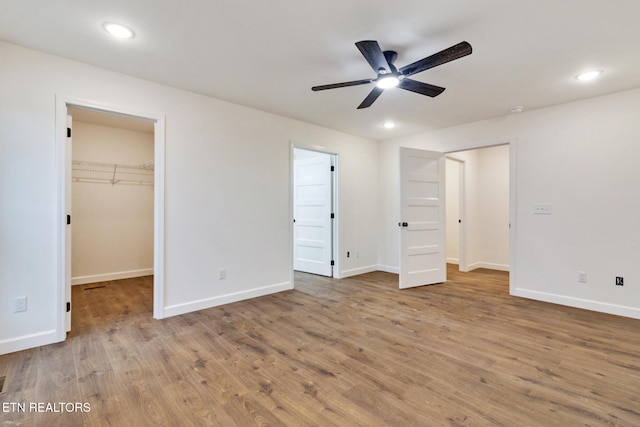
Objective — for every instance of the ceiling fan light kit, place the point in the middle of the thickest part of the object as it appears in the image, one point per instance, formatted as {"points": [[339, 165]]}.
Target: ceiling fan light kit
{"points": [[389, 76], [387, 82]]}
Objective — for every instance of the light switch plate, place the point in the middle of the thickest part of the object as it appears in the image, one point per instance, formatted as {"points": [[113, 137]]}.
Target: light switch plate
{"points": [[542, 209]]}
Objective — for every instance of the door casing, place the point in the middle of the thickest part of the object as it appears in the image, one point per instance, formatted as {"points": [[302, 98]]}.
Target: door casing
{"points": [[63, 288]]}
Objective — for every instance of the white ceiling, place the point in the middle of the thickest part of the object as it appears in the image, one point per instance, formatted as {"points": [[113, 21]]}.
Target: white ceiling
{"points": [[111, 120], [268, 54]]}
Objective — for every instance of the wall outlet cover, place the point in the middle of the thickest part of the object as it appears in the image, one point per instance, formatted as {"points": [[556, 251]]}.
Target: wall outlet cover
{"points": [[20, 304]]}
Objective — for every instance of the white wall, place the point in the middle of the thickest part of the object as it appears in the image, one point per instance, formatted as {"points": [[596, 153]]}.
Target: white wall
{"points": [[227, 190], [582, 158], [112, 227], [492, 209]]}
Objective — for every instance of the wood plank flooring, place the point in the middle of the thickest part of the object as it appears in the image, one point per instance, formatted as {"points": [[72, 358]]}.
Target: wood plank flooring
{"points": [[351, 352]]}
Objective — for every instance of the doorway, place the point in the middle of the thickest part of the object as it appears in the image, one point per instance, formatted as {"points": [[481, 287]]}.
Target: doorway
{"points": [[314, 207], [427, 177], [478, 208], [112, 175], [64, 137]]}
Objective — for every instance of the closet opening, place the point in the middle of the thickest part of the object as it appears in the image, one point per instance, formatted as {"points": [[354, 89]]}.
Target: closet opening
{"points": [[112, 210], [110, 165]]}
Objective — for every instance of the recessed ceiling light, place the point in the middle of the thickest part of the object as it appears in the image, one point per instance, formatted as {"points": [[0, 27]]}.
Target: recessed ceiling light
{"points": [[389, 125], [118, 30], [588, 75]]}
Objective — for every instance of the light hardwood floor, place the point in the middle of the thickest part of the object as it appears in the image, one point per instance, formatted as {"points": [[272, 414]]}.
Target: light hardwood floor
{"points": [[351, 352]]}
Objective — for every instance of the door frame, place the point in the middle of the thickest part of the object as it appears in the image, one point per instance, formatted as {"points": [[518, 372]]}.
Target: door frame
{"points": [[462, 259], [335, 208], [512, 143], [63, 275]]}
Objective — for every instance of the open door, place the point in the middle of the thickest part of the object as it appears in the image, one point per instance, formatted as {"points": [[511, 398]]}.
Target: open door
{"points": [[313, 215], [422, 218]]}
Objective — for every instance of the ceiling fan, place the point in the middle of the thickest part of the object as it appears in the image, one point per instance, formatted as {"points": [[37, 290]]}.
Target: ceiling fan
{"points": [[389, 76]]}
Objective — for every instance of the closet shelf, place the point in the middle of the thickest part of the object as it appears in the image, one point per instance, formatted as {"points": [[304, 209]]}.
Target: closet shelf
{"points": [[112, 173]]}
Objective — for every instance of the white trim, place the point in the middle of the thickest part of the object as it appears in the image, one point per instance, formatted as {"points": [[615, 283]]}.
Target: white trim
{"points": [[388, 269], [602, 307], [455, 261], [462, 215], [357, 271], [336, 221], [513, 203], [489, 265], [188, 307], [29, 341], [478, 145], [60, 219], [158, 217], [94, 278], [62, 103]]}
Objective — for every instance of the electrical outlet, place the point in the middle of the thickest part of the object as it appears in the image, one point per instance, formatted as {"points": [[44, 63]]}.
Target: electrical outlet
{"points": [[222, 274], [582, 277], [619, 281], [20, 304]]}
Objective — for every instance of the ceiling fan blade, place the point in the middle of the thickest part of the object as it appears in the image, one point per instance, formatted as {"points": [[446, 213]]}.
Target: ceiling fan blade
{"points": [[442, 57], [421, 88], [344, 84], [373, 95], [373, 54]]}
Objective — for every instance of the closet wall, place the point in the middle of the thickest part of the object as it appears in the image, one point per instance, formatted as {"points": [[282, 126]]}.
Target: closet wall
{"points": [[112, 226]]}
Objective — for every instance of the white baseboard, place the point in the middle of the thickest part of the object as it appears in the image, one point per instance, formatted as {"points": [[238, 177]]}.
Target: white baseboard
{"points": [[501, 267], [356, 271], [174, 310], [28, 341], [388, 269], [82, 280], [453, 261], [489, 265], [602, 307]]}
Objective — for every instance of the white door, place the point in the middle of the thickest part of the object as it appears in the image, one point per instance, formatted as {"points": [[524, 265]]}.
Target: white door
{"points": [[67, 234], [312, 212], [422, 216]]}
